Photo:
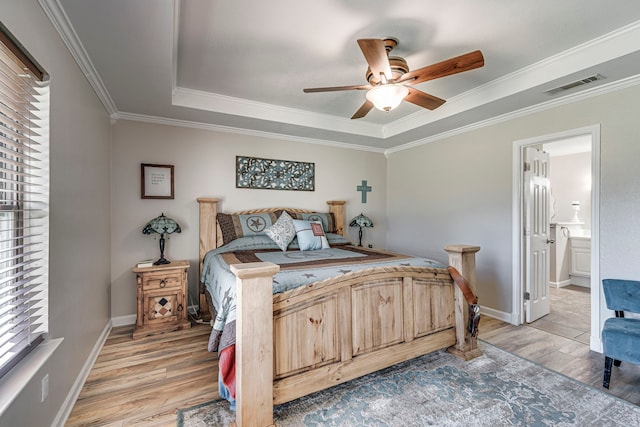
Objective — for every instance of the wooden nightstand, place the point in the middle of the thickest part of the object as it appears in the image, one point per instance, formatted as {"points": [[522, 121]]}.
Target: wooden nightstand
{"points": [[162, 298]]}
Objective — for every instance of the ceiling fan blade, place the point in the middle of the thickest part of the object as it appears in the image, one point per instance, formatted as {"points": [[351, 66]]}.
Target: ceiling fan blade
{"points": [[363, 110], [336, 88], [461, 63], [422, 99], [376, 55]]}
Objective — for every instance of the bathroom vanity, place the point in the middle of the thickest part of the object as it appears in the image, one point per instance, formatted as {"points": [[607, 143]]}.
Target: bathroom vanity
{"points": [[580, 260], [570, 254]]}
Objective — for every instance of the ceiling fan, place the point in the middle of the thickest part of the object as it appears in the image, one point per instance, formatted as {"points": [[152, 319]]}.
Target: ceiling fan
{"points": [[389, 79]]}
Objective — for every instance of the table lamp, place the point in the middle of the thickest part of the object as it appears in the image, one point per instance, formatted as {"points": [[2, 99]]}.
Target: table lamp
{"points": [[161, 225], [361, 221]]}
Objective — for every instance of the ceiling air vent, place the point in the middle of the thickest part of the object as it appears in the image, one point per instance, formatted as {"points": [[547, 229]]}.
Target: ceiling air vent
{"points": [[577, 83]]}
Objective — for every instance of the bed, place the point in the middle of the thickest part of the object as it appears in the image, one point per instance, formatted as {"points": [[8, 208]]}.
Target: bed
{"points": [[334, 328]]}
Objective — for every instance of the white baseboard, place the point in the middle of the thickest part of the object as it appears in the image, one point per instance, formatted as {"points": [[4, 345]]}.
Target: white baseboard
{"points": [[560, 284], [129, 319], [500, 315], [67, 405], [580, 281]]}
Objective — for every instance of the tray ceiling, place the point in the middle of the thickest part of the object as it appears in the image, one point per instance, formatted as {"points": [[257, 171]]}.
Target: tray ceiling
{"points": [[241, 66]]}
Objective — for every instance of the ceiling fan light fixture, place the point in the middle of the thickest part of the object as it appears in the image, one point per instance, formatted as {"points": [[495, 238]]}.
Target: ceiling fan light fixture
{"points": [[387, 97], [390, 81]]}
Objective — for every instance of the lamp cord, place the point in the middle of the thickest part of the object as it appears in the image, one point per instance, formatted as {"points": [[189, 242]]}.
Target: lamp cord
{"points": [[193, 317]]}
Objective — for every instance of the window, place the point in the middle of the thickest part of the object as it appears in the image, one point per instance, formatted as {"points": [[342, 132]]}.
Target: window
{"points": [[24, 202]]}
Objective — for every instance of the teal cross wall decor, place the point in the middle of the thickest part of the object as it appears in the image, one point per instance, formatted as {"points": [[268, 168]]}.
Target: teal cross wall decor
{"points": [[365, 189]]}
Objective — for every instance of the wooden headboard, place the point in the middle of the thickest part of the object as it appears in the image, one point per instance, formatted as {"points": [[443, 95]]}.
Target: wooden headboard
{"points": [[211, 238]]}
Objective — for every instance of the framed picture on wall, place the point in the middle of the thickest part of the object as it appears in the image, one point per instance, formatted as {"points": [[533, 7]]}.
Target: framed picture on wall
{"points": [[156, 181]]}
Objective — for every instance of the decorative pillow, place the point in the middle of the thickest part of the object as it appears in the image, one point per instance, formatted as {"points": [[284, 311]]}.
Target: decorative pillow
{"points": [[235, 226], [283, 231], [310, 235], [337, 240], [327, 219]]}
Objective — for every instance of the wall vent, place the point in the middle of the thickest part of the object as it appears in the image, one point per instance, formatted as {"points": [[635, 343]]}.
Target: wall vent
{"points": [[577, 83]]}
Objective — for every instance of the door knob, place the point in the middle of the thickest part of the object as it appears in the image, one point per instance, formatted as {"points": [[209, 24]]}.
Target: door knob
{"points": [[550, 241]]}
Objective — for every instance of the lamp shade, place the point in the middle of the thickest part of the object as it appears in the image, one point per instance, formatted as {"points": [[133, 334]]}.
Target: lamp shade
{"points": [[161, 225], [361, 221], [386, 97]]}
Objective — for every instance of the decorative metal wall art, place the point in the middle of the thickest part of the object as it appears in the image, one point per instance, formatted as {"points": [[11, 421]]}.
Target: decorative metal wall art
{"points": [[253, 172]]}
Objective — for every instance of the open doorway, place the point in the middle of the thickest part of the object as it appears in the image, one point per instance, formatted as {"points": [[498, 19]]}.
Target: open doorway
{"points": [[584, 257], [570, 239]]}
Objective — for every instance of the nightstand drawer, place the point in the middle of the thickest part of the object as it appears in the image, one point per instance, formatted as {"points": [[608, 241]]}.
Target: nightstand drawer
{"points": [[161, 281]]}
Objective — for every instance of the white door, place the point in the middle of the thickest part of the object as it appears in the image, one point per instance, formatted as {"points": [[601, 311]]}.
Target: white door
{"points": [[537, 230]]}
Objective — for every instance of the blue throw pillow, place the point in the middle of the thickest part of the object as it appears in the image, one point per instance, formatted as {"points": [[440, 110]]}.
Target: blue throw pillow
{"points": [[327, 219], [310, 235]]}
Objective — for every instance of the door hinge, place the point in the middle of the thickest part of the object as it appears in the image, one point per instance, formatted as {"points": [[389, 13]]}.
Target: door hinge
{"points": [[527, 167], [527, 296]]}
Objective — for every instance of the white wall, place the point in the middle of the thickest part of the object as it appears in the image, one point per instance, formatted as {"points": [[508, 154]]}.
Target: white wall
{"points": [[571, 181], [204, 163], [458, 190], [79, 277]]}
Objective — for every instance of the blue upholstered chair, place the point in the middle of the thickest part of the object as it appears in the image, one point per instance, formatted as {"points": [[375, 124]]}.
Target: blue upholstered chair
{"points": [[621, 336]]}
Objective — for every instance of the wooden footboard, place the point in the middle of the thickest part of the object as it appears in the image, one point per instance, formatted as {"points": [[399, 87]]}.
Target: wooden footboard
{"points": [[358, 323], [313, 337]]}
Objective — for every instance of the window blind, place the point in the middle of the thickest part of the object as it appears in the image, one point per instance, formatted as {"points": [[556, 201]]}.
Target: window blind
{"points": [[24, 201]]}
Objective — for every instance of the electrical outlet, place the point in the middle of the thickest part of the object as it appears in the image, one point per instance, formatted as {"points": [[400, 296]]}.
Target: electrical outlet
{"points": [[45, 388]]}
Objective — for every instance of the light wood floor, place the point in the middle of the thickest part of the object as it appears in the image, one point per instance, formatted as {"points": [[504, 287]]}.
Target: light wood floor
{"points": [[560, 341], [570, 315], [144, 382]]}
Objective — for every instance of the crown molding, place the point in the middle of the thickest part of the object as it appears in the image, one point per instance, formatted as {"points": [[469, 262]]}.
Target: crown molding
{"points": [[185, 97], [569, 99], [60, 21], [620, 42], [615, 44], [240, 131]]}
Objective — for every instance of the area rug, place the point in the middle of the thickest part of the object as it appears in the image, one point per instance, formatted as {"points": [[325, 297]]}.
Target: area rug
{"points": [[495, 389]]}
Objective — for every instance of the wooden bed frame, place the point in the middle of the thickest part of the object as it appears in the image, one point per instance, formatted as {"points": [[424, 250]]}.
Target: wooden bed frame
{"points": [[313, 337]]}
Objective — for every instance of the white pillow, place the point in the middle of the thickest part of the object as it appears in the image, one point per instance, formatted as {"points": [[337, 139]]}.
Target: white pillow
{"points": [[310, 235], [282, 232]]}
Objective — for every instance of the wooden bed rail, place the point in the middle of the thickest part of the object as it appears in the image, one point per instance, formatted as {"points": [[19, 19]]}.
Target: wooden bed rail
{"points": [[255, 325], [208, 236]]}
